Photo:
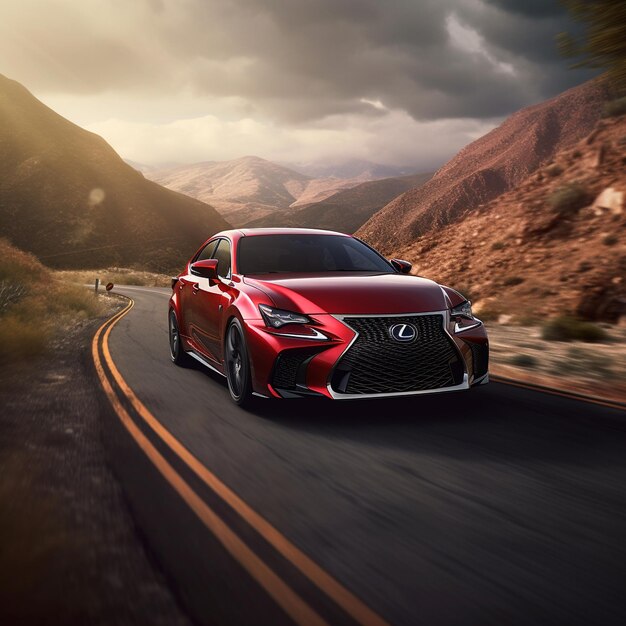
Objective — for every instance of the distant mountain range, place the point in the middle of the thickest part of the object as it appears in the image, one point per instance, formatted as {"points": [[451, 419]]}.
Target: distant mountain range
{"points": [[345, 210], [488, 167], [67, 197], [349, 168], [250, 188]]}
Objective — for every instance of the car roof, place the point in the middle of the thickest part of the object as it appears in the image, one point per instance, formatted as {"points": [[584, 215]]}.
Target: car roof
{"points": [[249, 232]]}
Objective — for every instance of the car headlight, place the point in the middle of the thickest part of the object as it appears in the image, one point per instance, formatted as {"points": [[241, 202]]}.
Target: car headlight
{"points": [[275, 318], [463, 310]]}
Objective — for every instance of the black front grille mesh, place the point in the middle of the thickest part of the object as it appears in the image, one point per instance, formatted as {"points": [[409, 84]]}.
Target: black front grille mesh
{"points": [[376, 363], [480, 358], [287, 365]]}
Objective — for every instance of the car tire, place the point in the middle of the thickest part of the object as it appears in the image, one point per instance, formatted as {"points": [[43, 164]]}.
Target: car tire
{"points": [[177, 353], [237, 364]]}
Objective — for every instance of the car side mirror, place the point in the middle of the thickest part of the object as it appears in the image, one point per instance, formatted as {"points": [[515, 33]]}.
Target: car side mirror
{"points": [[404, 267], [206, 269]]}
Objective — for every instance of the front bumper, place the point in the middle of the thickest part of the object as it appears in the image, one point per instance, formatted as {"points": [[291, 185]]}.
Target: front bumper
{"points": [[287, 367]]}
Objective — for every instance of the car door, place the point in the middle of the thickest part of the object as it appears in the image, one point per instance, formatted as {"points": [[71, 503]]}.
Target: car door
{"points": [[209, 300], [188, 286]]}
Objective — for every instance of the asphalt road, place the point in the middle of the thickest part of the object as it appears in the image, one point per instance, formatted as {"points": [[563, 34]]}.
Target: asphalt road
{"points": [[496, 506]]}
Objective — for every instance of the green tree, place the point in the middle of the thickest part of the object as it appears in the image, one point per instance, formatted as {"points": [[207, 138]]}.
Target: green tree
{"points": [[602, 43]]}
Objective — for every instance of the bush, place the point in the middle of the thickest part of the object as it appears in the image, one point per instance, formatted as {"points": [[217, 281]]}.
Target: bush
{"points": [[569, 198], [554, 170], [568, 328], [511, 281], [609, 240], [498, 245], [615, 108], [33, 303], [523, 360]]}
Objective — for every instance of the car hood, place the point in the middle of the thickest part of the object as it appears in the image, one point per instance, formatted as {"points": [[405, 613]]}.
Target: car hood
{"points": [[352, 293]]}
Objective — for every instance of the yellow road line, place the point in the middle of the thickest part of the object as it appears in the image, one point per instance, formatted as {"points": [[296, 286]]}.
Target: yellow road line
{"points": [[324, 581], [283, 595]]}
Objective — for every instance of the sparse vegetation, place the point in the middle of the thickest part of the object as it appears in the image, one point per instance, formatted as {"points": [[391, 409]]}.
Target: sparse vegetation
{"points": [[569, 328], [554, 170], [523, 360], [609, 240], [511, 281], [569, 199], [615, 108], [32, 303], [115, 275], [498, 245], [602, 42], [577, 154], [580, 362]]}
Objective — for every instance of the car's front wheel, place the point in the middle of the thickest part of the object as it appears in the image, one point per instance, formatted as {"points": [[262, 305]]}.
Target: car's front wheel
{"points": [[177, 353], [237, 364]]}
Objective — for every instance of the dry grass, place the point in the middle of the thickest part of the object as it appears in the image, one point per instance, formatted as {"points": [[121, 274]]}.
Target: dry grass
{"points": [[115, 275], [33, 302], [38, 551]]}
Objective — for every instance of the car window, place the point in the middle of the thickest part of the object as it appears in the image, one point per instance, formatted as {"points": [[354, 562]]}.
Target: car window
{"points": [[307, 253], [222, 254], [207, 251]]}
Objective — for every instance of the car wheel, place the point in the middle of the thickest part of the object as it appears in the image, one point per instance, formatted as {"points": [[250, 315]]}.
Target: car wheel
{"points": [[177, 354], [237, 364]]}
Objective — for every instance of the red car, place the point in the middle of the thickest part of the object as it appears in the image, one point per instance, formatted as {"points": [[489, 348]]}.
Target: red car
{"points": [[288, 313]]}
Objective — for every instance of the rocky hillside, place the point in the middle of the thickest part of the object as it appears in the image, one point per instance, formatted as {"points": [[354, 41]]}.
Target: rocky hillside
{"points": [[66, 196], [488, 167], [556, 244], [346, 210]]}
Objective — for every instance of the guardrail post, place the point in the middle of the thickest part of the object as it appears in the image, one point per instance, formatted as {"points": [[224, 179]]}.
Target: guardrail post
{"points": [[97, 283]]}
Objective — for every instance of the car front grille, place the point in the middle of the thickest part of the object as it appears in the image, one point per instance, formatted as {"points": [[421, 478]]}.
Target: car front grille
{"points": [[377, 363]]}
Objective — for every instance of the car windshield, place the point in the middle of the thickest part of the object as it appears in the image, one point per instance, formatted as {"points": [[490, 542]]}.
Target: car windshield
{"points": [[302, 253]]}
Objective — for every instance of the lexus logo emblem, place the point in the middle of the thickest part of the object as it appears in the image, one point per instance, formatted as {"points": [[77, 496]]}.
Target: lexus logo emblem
{"points": [[403, 332]]}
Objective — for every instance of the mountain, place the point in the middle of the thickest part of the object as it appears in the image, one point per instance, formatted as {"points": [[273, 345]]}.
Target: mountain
{"points": [[346, 210], [349, 168], [555, 244], [66, 195], [488, 167], [239, 189]]}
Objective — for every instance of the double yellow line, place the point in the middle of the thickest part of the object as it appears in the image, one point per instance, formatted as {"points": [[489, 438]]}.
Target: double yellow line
{"points": [[290, 602]]}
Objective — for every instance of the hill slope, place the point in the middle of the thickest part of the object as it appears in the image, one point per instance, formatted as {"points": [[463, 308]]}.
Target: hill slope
{"points": [[66, 195], [239, 189], [488, 167], [554, 245], [346, 210]]}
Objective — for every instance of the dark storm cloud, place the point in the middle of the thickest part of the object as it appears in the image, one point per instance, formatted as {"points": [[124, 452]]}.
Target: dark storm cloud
{"points": [[297, 62]]}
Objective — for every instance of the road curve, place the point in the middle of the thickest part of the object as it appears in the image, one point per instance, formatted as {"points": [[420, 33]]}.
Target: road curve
{"points": [[496, 506]]}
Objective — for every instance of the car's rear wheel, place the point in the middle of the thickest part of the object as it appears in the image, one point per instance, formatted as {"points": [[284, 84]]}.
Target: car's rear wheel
{"points": [[177, 353], [237, 364]]}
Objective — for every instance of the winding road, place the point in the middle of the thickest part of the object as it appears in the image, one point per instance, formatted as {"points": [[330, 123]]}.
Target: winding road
{"points": [[501, 505]]}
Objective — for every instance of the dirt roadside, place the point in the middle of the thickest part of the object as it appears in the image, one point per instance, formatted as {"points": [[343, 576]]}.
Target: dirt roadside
{"points": [[69, 551]]}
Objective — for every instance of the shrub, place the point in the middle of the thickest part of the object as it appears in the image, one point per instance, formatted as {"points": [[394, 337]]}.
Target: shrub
{"points": [[554, 170], [498, 245], [614, 108], [577, 154], [609, 240], [523, 360], [569, 198], [568, 328], [511, 281]]}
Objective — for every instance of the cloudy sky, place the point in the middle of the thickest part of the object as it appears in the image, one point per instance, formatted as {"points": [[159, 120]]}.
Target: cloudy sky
{"points": [[402, 82]]}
